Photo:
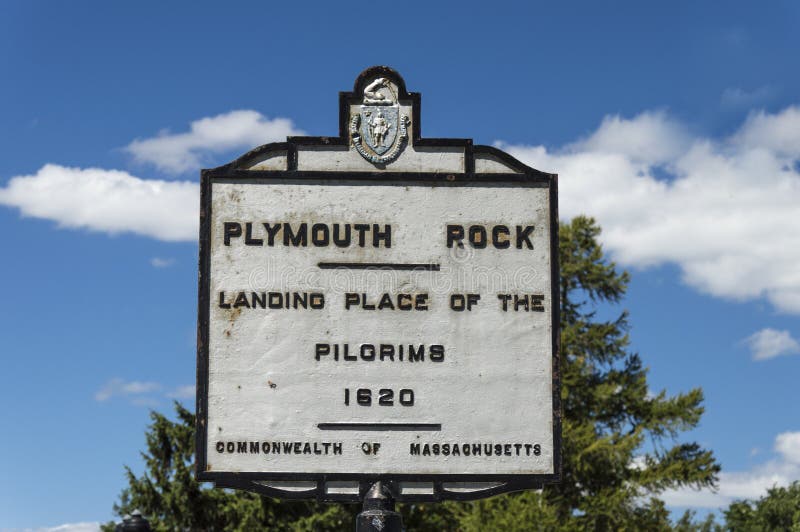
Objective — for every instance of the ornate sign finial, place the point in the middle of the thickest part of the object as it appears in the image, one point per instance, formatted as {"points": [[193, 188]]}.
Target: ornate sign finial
{"points": [[379, 131]]}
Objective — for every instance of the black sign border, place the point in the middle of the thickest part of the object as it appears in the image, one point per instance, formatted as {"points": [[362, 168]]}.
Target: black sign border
{"points": [[236, 172]]}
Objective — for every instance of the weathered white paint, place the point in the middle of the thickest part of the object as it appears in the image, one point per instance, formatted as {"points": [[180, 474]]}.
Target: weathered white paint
{"points": [[488, 164], [276, 160], [494, 385], [410, 159]]}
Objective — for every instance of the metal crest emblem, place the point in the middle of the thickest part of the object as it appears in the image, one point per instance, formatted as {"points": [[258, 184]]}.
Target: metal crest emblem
{"points": [[379, 131]]}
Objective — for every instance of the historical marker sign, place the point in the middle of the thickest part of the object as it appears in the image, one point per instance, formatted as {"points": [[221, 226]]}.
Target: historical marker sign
{"points": [[378, 306]]}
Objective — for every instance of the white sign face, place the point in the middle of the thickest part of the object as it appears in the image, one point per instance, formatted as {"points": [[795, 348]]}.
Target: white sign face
{"points": [[379, 328]]}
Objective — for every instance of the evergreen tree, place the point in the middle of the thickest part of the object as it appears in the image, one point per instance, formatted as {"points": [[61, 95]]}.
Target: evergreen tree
{"points": [[609, 414], [687, 523], [170, 498], [778, 510], [620, 445]]}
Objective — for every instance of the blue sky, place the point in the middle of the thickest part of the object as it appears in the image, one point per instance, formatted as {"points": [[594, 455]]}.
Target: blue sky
{"points": [[676, 124]]}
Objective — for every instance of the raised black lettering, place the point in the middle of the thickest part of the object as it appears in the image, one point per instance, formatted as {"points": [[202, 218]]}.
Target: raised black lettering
{"points": [[401, 305], [248, 236], [259, 300], [297, 239], [361, 229], [346, 355], [386, 302], [387, 351], [241, 301], [477, 236], [321, 350], [275, 300], [523, 236], [385, 236], [272, 232], [367, 352], [300, 300], [364, 305], [231, 230], [316, 300], [455, 235], [350, 300], [436, 353], [504, 298], [320, 235], [500, 238], [417, 355], [339, 240]]}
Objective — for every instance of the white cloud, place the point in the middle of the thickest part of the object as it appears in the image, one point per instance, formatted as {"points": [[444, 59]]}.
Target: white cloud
{"points": [[788, 444], [779, 133], [651, 138], [752, 484], [121, 388], [115, 201], [770, 343], [728, 216], [179, 152], [183, 392], [158, 262], [111, 201]]}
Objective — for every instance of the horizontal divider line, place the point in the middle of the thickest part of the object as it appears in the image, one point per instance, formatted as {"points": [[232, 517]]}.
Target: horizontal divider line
{"points": [[380, 426], [378, 266]]}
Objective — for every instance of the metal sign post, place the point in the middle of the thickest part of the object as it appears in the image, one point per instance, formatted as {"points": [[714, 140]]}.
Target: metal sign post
{"points": [[378, 310], [378, 513]]}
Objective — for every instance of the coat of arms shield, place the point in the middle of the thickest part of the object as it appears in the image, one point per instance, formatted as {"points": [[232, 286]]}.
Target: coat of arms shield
{"points": [[379, 126], [379, 130]]}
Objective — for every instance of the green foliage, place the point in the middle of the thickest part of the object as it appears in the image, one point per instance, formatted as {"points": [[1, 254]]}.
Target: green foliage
{"points": [[609, 414], [779, 509], [687, 524], [171, 499], [620, 445]]}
